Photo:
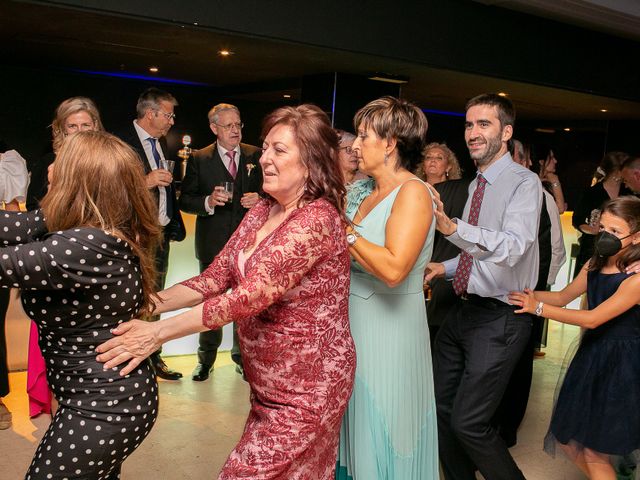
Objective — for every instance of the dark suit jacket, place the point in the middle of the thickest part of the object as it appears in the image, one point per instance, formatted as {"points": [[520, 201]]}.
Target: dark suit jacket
{"points": [[453, 194], [205, 170], [175, 229]]}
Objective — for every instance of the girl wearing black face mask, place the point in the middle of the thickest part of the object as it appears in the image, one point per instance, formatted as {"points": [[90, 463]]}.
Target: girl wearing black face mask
{"points": [[596, 420]]}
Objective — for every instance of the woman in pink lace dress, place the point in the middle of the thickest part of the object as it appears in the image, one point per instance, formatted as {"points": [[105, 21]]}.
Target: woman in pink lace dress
{"points": [[287, 266]]}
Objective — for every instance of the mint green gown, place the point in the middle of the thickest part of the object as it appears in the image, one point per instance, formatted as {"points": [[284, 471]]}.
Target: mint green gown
{"points": [[389, 428]]}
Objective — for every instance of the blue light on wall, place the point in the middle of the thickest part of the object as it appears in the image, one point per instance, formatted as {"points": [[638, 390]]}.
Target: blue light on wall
{"points": [[443, 112], [146, 78]]}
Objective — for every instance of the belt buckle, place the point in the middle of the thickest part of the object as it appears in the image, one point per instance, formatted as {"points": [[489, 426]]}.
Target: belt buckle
{"points": [[464, 296]]}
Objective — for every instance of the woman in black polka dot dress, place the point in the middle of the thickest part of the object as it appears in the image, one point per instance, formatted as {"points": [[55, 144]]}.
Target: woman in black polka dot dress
{"points": [[77, 283]]}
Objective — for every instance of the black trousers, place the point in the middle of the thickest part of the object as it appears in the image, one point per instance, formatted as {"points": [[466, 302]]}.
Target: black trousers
{"points": [[162, 265], [210, 341], [476, 350], [513, 406], [4, 368]]}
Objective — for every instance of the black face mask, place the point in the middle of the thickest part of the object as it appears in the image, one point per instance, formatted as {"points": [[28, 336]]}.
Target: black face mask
{"points": [[608, 244]]}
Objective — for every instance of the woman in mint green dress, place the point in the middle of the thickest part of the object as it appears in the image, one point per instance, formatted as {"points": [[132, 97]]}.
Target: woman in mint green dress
{"points": [[389, 428]]}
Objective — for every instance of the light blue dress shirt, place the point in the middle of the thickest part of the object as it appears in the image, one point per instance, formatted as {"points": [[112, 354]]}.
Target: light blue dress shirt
{"points": [[504, 245]]}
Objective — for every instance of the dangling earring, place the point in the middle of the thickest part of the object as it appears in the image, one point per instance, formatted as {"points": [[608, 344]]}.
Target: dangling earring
{"points": [[386, 158], [446, 174]]}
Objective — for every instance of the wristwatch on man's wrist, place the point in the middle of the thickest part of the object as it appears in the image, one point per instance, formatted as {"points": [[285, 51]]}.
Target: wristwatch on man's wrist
{"points": [[539, 308]]}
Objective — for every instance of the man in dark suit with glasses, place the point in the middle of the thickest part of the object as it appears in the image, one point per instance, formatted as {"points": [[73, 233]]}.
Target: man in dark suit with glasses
{"points": [[146, 135], [219, 210]]}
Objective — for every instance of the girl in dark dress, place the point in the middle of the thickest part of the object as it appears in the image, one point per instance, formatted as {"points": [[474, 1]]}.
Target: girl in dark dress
{"points": [[91, 273], [596, 420]]}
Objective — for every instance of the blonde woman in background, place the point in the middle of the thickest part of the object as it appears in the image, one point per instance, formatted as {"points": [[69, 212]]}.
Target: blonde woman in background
{"points": [[75, 114], [439, 164]]}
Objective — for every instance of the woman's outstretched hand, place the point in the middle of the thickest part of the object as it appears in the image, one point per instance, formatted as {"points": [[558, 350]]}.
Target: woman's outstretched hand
{"points": [[525, 299], [134, 341]]}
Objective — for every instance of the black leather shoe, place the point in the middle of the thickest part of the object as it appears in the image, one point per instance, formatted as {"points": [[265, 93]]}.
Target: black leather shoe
{"points": [[201, 372], [162, 370]]}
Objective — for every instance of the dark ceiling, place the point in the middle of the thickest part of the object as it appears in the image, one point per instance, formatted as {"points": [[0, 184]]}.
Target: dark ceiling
{"points": [[45, 37]]}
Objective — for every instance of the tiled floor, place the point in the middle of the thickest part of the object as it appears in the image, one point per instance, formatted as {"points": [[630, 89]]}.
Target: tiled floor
{"points": [[199, 423]]}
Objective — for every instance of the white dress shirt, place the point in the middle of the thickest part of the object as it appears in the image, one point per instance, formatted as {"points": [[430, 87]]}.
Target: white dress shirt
{"points": [[143, 135], [227, 163], [504, 244], [558, 253], [14, 177]]}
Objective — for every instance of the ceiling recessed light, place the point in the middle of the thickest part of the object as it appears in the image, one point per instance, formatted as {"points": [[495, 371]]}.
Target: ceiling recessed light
{"points": [[225, 53], [567, 129], [502, 94], [603, 110], [154, 69], [545, 130], [286, 95], [389, 78]]}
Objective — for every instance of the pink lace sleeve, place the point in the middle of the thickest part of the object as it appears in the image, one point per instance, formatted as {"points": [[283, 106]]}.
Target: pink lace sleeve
{"points": [[292, 252], [217, 278]]}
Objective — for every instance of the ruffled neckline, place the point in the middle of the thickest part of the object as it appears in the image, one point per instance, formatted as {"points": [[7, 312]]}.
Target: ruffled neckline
{"points": [[356, 193]]}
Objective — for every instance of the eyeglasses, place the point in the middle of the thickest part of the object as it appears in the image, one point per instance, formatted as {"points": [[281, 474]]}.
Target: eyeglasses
{"points": [[226, 128], [348, 149], [168, 116]]}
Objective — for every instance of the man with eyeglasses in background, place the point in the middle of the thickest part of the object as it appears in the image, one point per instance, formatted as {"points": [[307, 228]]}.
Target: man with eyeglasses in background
{"points": [[219, 212], [146, 136]]}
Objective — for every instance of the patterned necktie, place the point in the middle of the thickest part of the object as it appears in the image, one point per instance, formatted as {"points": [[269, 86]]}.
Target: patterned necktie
{"points": [[463, 272], [233, 169]]}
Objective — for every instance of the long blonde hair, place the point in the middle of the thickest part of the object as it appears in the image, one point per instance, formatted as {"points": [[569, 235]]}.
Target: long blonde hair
{"points": [[97, 181], [69, 107]]}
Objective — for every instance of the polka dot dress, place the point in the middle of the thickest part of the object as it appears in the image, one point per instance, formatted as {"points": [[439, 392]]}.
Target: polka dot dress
{"points": [[77, 285]]}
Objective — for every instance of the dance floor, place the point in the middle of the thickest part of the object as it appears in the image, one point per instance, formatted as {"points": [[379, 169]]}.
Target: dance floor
{"points": [[199, 423]]}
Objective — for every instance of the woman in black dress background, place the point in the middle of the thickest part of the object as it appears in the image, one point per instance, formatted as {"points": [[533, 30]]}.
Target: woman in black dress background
{"points": [[91, 273], [587, 213]]}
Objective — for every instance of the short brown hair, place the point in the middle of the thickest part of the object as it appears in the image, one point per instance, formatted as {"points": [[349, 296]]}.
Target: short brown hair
{"points": [[506, 110], [390, 117], [98, 181], [318, 144], [67, 108]]}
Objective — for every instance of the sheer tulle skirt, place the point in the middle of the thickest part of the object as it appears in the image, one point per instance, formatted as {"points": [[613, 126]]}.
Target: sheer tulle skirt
{"points": [[596, 417]]}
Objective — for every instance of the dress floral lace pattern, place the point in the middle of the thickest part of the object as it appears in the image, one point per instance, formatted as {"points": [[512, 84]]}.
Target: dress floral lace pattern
{"points": [[291, 308]]}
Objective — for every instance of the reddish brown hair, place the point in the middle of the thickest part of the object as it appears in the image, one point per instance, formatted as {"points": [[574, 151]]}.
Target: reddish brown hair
{"points": [[318, 144], [98, 182]]}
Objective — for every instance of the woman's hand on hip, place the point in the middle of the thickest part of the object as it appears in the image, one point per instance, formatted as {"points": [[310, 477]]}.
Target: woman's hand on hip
{"points": [[133, 343]]}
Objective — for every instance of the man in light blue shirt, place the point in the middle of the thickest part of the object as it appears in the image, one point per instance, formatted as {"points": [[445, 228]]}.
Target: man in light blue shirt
{"points": [[482, 339]]}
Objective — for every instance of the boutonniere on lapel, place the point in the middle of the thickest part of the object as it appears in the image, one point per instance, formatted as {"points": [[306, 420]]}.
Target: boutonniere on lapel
{"points": [[250, 167]]}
